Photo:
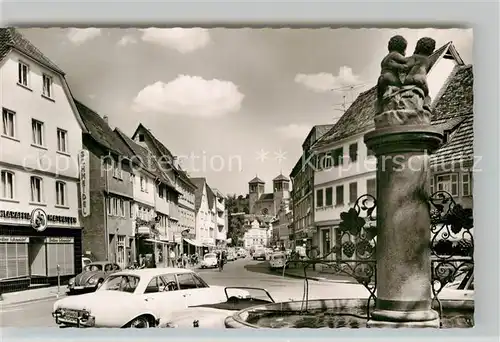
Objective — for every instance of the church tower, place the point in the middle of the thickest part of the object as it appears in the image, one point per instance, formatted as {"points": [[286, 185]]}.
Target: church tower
{"points": [[281, 189], [255, 190]]}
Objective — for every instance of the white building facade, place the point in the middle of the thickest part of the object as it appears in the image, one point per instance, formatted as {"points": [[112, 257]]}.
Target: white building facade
{"points": [[40, 140]]}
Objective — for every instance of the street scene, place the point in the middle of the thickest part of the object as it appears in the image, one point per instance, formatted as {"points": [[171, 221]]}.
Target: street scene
{"points": [[231, 178]]}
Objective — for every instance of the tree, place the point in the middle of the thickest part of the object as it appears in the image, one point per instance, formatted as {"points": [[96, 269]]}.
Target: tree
{"points": [[236, 229]]}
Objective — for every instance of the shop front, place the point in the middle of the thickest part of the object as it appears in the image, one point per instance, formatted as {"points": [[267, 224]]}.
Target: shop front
{"points": [[192, 246], [36, 248]]}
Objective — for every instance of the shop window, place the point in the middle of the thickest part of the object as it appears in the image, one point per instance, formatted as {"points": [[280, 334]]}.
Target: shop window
{"points": [[14, 260], [61, 254]]}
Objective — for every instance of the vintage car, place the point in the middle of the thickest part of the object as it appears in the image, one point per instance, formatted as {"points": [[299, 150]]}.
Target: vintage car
{"points": [[209, 261], [140, 298], [277, 260], [92, 276], [214, 315], [260, 253]]}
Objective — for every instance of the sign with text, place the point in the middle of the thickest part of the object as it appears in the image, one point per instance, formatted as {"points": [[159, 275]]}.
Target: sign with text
{"points": [[18, 215], [14, 239], [38, 220], [83, 162], [59, 240]]}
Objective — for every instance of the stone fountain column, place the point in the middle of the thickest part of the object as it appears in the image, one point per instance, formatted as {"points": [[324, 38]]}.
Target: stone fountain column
{"points": [[403, 226], [403, 140]]}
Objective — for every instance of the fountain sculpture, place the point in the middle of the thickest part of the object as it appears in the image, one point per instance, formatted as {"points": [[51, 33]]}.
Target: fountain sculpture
{"points": [[393, 258]]}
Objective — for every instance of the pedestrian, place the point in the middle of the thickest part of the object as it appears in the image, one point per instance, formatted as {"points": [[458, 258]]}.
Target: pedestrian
{"points": [[172, 257], [142, 261], [184, 260]]}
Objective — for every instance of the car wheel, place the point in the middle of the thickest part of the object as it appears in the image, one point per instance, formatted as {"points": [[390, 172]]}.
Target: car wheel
{"points": [[140, 322]]}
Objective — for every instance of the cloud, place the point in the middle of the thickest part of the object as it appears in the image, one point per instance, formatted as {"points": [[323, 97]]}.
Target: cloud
{"points": [[191, 96], [180, 39], [294, 131], [126, 40], [79, 36], [323, 81]]}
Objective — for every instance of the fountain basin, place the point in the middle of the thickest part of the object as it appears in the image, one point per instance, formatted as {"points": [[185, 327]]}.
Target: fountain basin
{"points": [[335, 313]]}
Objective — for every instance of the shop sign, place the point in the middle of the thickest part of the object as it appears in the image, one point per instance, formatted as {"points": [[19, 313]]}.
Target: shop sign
{"points": [[14, 239], [59, 240], [83, 162], [17, 215], [38, 220]]}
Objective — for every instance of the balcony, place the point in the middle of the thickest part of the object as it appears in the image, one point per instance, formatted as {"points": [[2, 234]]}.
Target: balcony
{"points": [[221, 221], [161, 205], [220, 206]]}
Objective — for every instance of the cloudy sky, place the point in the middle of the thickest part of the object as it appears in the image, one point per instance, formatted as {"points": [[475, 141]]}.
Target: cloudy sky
{"points": [[232, 103]]}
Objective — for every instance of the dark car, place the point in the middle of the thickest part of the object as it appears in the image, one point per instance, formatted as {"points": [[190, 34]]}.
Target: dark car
{"points": [[92, 276]]}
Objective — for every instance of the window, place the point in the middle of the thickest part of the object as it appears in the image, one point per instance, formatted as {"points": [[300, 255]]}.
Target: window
{"points": [[431, 186], [23, 74], [329, 196], [36, 190], [319, 198], [200, 283], [448, 183], [117, 171], [61, 193], [131, 209], [353, 192], [115, 206], [141, 137], [338, 156], [466, 188], [37, 129], [143, 184], [108, 204], [326, 161], [121, 206], [339, 193], [156, 285], [353, 152], [8, 180], [8, 120], [47, 86], [62, 140], [170, 282], [14, 262], [186, 281], [371, 187]]}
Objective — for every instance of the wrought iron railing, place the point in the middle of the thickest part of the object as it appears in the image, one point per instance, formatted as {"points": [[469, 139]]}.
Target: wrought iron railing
{"points": [[452, 245]]}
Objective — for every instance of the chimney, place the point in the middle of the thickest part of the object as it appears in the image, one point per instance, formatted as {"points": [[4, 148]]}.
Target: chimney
{"points": [[105, 118]]}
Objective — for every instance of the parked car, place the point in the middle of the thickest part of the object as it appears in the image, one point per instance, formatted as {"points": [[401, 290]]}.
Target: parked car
{"points": [[141, 298], [92, 276], [277, 260], [241, 253], [209, 261], [259, 254], [231, 255]]}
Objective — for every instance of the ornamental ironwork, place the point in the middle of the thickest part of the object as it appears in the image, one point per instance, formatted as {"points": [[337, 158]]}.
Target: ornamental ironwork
{"points": [[452, 242], [354, 255]]}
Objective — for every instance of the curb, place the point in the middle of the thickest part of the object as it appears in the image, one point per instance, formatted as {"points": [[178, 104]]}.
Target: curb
{"points": [[322, 279], [52, 296]]}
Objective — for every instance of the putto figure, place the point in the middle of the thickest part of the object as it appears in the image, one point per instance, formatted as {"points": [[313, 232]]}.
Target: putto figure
{"points": [[402, 90], [419, 65], [392, 65]]}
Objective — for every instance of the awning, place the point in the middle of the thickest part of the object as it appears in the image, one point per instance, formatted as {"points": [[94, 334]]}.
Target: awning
{"points": [[193, 242], [157, 241]]}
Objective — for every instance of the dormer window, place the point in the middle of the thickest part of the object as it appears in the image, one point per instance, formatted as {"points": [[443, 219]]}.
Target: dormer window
{"points": [[141, 137]]}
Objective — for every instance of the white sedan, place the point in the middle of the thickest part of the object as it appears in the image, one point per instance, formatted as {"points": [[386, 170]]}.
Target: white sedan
{"points": [[140, 299], [209, 261]]}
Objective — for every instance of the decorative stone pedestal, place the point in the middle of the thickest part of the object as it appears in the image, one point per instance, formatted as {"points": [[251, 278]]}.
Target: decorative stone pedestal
{"points": [[404, 292]]}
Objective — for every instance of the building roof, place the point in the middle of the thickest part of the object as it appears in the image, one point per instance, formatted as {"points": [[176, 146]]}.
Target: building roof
{"points": [[199, 182], [319, 131], [147, 160], [256, 180], [454, 112], [210, 197], [100, 131], [165, 152], [358, 118], [281, 178], [10, 38], [266, 197]]}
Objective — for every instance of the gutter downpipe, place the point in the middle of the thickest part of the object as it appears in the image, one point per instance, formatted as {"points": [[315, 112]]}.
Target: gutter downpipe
{"points": [[106, 190]]}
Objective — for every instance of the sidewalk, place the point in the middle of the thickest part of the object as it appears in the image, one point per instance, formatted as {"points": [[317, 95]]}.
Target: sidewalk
{"points": [[318, 275], [32, 295]]}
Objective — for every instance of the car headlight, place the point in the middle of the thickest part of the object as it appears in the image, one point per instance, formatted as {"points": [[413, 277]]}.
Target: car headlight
{"points": [[72, 281], [92, 280]]}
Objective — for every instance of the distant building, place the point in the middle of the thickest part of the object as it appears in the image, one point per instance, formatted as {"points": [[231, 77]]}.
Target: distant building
{"points": [[220, 207], [204, 205], [40, 140], [258, 231], [261, 203], [302, 176]]}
